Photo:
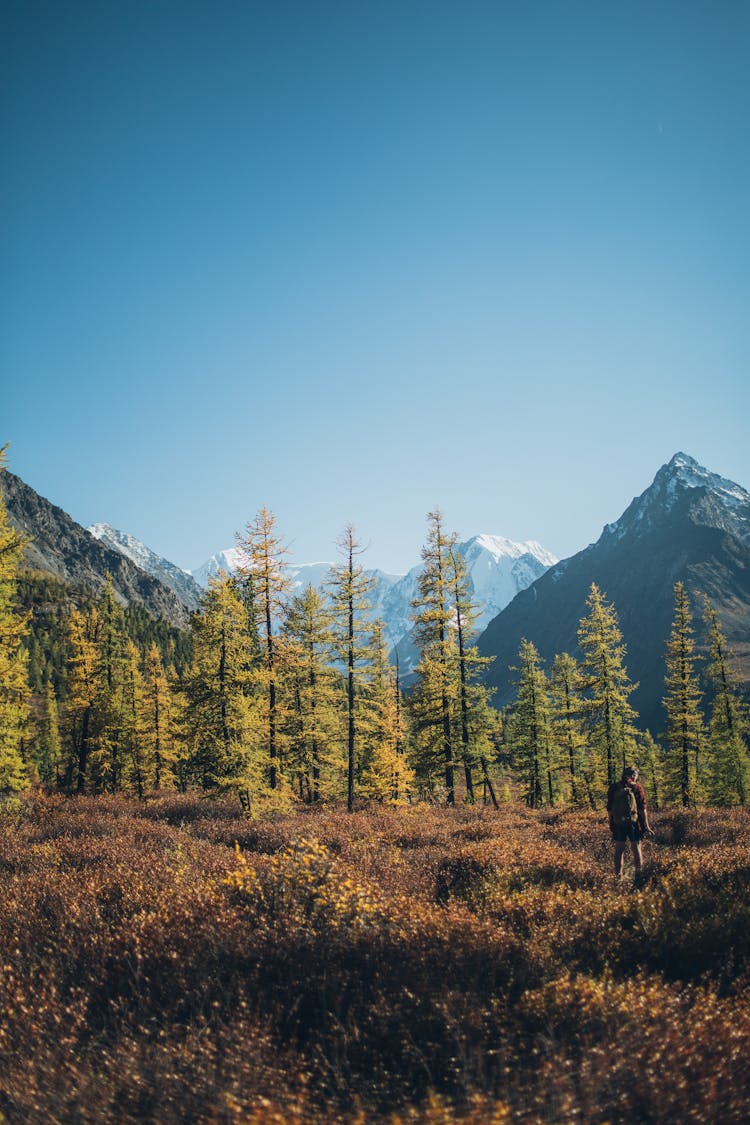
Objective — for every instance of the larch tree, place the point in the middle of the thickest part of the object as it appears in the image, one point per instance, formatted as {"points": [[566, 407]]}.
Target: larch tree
{"points": [[650, 760], [263, 552], [685, 725], [567, 723], [106, 761], [137, 764], [313, 716], [473, 697], [386, 775], [48, 746], [217, 715], [350, 588], [14, 689], [531, 729], [729, 726], [609, 718], [82, 720], [156, 720], [435, 690]]}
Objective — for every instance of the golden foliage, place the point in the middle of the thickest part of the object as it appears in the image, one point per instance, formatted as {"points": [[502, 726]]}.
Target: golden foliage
{"points": [[171, 961]]}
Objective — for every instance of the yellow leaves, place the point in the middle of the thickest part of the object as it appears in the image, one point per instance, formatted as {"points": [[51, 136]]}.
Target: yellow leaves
{"points": [[303, 885]]}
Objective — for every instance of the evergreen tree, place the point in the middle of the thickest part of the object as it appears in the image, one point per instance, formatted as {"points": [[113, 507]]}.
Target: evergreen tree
{"points": [[649, 759], [48, 756], [83, 692], [435, 691], [137, 768], [729, 726], [684, 734], [217, 715], [314, 715], [263, 553], [14, 689], [107, 759], [531, 731], [567, 723], [386, 775], [473, 696], [609, 717], [156, 721], [350, 588]]}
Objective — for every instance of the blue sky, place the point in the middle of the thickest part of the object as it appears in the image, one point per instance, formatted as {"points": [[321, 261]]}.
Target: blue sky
{"points": [[354, 260]]}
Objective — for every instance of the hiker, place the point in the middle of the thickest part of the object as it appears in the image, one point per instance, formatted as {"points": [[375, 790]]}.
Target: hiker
{"points": [[628, 819]]}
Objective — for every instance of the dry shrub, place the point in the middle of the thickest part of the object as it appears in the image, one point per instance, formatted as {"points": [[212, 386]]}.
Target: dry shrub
{"points": [[415, 965]]}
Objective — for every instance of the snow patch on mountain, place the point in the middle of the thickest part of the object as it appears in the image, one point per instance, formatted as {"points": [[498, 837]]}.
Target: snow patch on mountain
{"points": [[179, 581], [498, 569], [676, 480], [223, 562]]}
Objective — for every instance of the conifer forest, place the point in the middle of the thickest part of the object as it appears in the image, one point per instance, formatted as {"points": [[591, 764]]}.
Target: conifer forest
{"points": [[258, 872]]}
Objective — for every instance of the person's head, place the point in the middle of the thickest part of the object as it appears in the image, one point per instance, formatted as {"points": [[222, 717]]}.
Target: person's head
{"points": [[630, 773]]}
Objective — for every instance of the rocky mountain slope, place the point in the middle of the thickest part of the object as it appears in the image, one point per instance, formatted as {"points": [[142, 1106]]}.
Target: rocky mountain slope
{"points": [[179, 581], [690, 525], [61, 547]]}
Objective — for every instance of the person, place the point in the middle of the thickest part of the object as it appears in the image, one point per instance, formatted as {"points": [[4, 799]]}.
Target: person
{"points": [[628, 819]]}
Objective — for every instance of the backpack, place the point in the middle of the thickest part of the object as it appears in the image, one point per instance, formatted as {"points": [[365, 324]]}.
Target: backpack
{"points": [[624, 808]]}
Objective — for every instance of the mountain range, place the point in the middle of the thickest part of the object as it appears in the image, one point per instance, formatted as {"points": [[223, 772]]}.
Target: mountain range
{"points": [[690, 525], [497, 569], [83, 557]]}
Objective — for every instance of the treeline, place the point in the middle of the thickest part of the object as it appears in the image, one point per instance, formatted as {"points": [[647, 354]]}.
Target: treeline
{"points": [[573, 730], [289, 696], [50, 602]]}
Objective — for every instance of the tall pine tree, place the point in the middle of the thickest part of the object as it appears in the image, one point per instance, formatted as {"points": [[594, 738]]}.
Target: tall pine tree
{"points": [[531, 731], [386, 775], [263, 555], [567, 720], [684, 734], [217, 716], [435, 690], [14, 689], [609, 717], [474, 707], [729, 727], [313, 716], [350, 588]]}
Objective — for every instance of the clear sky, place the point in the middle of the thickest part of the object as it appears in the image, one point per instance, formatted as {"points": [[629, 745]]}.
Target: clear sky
{"points": [[354, 260]]}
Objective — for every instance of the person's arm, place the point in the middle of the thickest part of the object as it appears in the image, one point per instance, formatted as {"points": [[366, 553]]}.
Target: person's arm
{"points": [[643, 811]]}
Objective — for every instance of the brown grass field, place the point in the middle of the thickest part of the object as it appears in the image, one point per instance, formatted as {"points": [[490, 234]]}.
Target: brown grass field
{"points": [[417, 965]]}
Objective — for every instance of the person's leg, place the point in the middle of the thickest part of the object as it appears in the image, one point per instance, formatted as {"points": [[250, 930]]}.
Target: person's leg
{"points": [[637, 856], [620, 846]]}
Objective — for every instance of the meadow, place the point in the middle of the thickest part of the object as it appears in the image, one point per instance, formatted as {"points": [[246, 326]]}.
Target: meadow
{"points": [[172, 961]]}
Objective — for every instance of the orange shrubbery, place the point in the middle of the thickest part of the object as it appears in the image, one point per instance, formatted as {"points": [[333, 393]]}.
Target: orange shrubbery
{"points": [[398, 965]]}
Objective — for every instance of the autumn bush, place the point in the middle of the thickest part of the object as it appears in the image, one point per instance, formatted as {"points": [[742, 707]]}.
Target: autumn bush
{"points": [[172, 961]]}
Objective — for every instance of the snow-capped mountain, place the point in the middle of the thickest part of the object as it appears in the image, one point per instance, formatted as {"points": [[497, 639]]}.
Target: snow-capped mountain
{"points": [[227, 561], [690, 525], [720, 502], [81, 564], [179, 581], [498, 569]]}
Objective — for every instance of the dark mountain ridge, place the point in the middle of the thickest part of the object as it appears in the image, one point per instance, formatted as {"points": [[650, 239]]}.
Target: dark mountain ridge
{"points": [[64, 549], [690, 525]]}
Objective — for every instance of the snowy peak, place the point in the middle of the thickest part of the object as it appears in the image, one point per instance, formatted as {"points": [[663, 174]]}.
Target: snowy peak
{"points": [[498, 568], [226, 562], [497, 547], [683, 483], [685, 472], [179, 581]]}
